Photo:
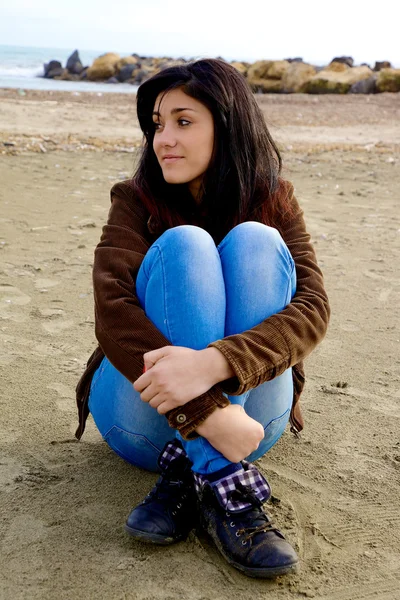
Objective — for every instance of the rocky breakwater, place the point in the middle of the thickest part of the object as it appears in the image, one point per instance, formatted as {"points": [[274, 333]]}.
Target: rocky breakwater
{"points": [[287, 76], [109, 68]]}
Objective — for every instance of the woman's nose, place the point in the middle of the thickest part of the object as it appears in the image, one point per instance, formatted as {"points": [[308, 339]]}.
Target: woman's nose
{"points": [[167, 136]]}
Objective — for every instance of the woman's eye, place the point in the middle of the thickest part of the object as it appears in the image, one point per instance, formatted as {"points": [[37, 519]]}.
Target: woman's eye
{"points": [[183, 122], [156, 125]]}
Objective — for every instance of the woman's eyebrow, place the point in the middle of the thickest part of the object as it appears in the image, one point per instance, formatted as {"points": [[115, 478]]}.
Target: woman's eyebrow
{"points": [[173, 111]]}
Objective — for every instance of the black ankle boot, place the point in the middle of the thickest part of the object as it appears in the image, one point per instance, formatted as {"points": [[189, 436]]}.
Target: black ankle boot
{"points": [[246, 538], [169, 511]]}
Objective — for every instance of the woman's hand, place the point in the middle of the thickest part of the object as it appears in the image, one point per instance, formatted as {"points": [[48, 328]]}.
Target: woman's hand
{"points": [[174, 375], [232, 432]]}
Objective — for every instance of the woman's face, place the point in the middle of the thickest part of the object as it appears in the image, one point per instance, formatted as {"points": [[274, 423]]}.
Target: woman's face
{"points": [[183, 139]]}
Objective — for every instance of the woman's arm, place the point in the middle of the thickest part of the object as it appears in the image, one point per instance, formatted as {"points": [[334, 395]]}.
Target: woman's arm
{"points": [[122, 328], [286, 338]]}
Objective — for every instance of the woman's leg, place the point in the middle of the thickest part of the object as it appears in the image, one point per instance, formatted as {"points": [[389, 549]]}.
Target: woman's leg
{"points": [[260, 280], [181, 288], [181, 285]]}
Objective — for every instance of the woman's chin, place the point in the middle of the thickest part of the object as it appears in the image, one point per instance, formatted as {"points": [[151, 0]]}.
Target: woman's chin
{"points": [[171, 178]]}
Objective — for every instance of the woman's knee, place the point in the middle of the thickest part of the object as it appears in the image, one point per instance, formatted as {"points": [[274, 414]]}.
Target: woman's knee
{"points": [[257, 236], [264, 245], [186, 237]]}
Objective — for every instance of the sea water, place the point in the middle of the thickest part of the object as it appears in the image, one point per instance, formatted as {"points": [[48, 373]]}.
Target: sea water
{"points": [[23, 67]]}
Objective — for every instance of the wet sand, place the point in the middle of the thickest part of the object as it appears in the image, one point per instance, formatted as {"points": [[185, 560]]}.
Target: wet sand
{"points": [[64, 503]]}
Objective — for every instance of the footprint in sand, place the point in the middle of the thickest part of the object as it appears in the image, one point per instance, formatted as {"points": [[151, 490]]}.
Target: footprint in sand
{"points": [[7, 315], [56, 327], [50, 313], [13, 347], [42, 283], [13, 296], [46, 350], [10, 471], [66, 400], [74, 231]]}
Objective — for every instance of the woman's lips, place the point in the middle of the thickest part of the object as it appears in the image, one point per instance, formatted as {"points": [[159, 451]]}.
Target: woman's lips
{"points": [[171, 159]]}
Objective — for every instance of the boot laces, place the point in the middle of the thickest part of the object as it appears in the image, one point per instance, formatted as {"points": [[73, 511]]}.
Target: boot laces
{"points": [[247, 495], [169, 487]]}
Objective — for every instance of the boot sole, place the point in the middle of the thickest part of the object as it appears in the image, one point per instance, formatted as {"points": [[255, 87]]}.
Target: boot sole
{"points": [[266, 573], [152, 538]]}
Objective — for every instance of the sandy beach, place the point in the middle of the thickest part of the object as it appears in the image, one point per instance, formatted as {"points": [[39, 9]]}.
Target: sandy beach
{"points": [[336, 487]]}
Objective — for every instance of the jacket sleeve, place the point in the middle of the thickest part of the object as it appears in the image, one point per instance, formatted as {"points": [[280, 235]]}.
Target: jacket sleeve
{"points": [[122, 328], [286, 338]]}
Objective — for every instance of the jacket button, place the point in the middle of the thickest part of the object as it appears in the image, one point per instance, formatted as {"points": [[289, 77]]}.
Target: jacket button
{"points": [[181, 418]]}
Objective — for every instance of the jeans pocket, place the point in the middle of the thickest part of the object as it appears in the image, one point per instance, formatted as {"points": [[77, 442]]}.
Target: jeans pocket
{"points": [[133, 447]]}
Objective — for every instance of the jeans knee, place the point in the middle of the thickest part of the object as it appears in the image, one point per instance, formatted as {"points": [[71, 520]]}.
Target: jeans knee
{"points": [[186, 237], [253, 238], [257, 235]]}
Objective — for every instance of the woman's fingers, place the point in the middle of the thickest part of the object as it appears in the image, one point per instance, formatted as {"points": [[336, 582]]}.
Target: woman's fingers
{"points": [[148, 394], [164, 407], [155, 402]]}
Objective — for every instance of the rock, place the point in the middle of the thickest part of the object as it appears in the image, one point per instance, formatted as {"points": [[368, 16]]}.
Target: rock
{"points": [[265, 86], [357, 74], [259, 69], [277, 69], [112, 80], [336, 67], [388, 80], [83, 75], [346, 60], [296, 76], [103, 67], [267, 69], [74, 64], [168, 62], [365, 86], [239, 66], [144, 74], [139, 77], [334, 82], [55, 73], [384, 64], [126, 72], [53, 65], [65, 75], [126, 60], [292, 60], [265, 75]]}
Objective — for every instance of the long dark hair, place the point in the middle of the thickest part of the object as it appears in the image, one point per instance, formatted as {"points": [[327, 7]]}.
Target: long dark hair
{"points": [[242, 181]]}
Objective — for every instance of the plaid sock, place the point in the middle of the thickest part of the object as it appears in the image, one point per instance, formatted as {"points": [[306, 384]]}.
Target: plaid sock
{"points": [[225, 482], [170, 452]]}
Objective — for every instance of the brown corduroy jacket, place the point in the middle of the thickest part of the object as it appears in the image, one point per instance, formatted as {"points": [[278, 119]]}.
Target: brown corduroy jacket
{"points": [[124, 333]]}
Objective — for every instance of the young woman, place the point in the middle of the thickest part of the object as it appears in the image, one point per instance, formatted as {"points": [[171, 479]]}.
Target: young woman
{"points": [[208, 297]]}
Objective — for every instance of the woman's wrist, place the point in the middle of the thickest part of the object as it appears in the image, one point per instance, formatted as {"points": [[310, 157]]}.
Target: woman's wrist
{"points": [[206, 427], [217, 365]]}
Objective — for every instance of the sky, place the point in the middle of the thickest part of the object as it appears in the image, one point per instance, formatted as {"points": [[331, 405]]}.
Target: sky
{"points": [[315, 30]]}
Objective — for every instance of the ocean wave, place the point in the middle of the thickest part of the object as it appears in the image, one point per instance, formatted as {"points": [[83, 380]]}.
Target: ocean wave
{"points": [[13, 71]]}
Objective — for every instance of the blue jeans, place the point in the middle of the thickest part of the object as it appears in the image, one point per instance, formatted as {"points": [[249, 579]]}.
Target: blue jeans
{"points": [[196, 293]]}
